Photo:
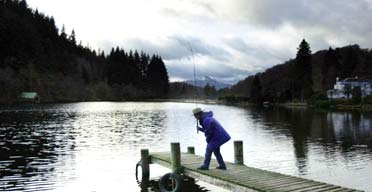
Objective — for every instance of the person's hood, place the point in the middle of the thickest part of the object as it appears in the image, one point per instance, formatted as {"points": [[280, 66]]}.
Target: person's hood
{"points": [[208, 114]]}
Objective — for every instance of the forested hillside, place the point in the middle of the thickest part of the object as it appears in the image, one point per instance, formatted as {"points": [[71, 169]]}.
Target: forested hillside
{"points": [[284, 82], [37, 56]]}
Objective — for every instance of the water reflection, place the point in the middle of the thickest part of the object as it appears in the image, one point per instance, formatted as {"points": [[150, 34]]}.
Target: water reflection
{"points": [[95, 146], [28, 153], [45, 147], [334, 136], [121, 127], [188, 184]]}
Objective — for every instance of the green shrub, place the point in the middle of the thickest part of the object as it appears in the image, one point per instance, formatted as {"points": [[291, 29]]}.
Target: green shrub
{"points": [[103, 91], [317, 99], [367, 99], [234, 99], [319, 96], [323, 103], [357, 95], [296, 101], [343, 101]]}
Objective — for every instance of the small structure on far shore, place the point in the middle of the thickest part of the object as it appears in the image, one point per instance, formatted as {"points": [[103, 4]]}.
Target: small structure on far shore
{"points": [[32, 97], [343, 88]]}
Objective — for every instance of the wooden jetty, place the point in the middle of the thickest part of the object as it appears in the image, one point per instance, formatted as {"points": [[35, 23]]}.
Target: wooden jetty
{"points": [[237, 177]]}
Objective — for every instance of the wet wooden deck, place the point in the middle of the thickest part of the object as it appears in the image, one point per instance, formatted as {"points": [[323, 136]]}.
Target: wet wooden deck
{"points": [[243, 178]]}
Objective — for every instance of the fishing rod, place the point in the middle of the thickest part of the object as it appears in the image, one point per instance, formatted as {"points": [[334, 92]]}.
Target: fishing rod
{"points": [[195, 96]]}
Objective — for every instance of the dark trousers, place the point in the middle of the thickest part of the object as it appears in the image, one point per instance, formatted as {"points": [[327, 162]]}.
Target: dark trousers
{"points": [[217, 153]]}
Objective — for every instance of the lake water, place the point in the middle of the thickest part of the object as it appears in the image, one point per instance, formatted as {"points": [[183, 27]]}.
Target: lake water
{"points": [[94, 146]]}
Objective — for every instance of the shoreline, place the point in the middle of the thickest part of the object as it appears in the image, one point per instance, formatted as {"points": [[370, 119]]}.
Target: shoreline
{"points": [[359, 107], [199, 101], [203, 101]]}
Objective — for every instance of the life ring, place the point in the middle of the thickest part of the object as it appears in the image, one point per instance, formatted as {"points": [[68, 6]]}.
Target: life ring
{"points": [[175, 177], [137, 165]]}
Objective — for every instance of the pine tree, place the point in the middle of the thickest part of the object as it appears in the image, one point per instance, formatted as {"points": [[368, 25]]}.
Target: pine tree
{"points": [[72, 37], [144, 62], [301, 73], [136, 57], [256, 90], [157, 77], [330, 68], [133, 70], [351, 60], [23, 4], [63, 32], [30, 41], [164, 77]]}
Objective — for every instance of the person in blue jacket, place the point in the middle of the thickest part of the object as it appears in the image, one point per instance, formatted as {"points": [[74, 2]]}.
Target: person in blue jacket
{"points": [[215, 135]]}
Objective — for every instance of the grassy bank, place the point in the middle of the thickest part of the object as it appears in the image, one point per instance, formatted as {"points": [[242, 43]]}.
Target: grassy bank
{"points": [[201, 101]]}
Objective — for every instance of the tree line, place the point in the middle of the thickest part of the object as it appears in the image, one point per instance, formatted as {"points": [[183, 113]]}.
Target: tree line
{"points": [[306, 76], [37, 56], [182, 90]]}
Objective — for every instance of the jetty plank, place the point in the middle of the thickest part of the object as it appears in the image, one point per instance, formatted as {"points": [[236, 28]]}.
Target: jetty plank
{"points": [[239, 177]]}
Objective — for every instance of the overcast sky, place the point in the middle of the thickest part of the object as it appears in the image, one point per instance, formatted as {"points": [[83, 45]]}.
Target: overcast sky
{"points": [[231, 39]]}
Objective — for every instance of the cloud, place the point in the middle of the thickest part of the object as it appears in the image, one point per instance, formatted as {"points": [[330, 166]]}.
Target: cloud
{"points": [[171, 48], [209, 60], [230, 39], [331, 22], [205, 66], [240, 45]]}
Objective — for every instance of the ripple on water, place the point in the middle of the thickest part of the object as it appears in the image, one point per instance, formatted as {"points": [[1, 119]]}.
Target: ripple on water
{"points": [[94, 146]]}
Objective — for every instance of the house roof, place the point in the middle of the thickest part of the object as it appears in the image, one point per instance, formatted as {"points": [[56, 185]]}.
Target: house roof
{"points": [[28, 95], [353, 79]]}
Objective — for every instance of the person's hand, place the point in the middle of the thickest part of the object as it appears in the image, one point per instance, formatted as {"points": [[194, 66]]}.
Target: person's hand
{"points": [[199, 128]]}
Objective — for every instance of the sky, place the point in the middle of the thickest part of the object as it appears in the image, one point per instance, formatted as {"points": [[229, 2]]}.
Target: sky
{"points": [[225, 39]]}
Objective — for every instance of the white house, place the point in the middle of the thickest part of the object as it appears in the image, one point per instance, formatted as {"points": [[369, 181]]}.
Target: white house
{"points": [[340, 88]]}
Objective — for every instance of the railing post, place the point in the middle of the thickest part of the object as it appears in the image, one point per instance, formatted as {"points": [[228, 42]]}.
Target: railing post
{"points": [[176, 158], [191, 150], [145, 159], [238, 152]]}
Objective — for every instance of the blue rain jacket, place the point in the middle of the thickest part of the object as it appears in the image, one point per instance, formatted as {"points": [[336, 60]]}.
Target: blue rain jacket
{"points": [[215, 134]]}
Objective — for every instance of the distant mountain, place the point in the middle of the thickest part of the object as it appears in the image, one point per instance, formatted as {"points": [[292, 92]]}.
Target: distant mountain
{"points": [[208, 80]]}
